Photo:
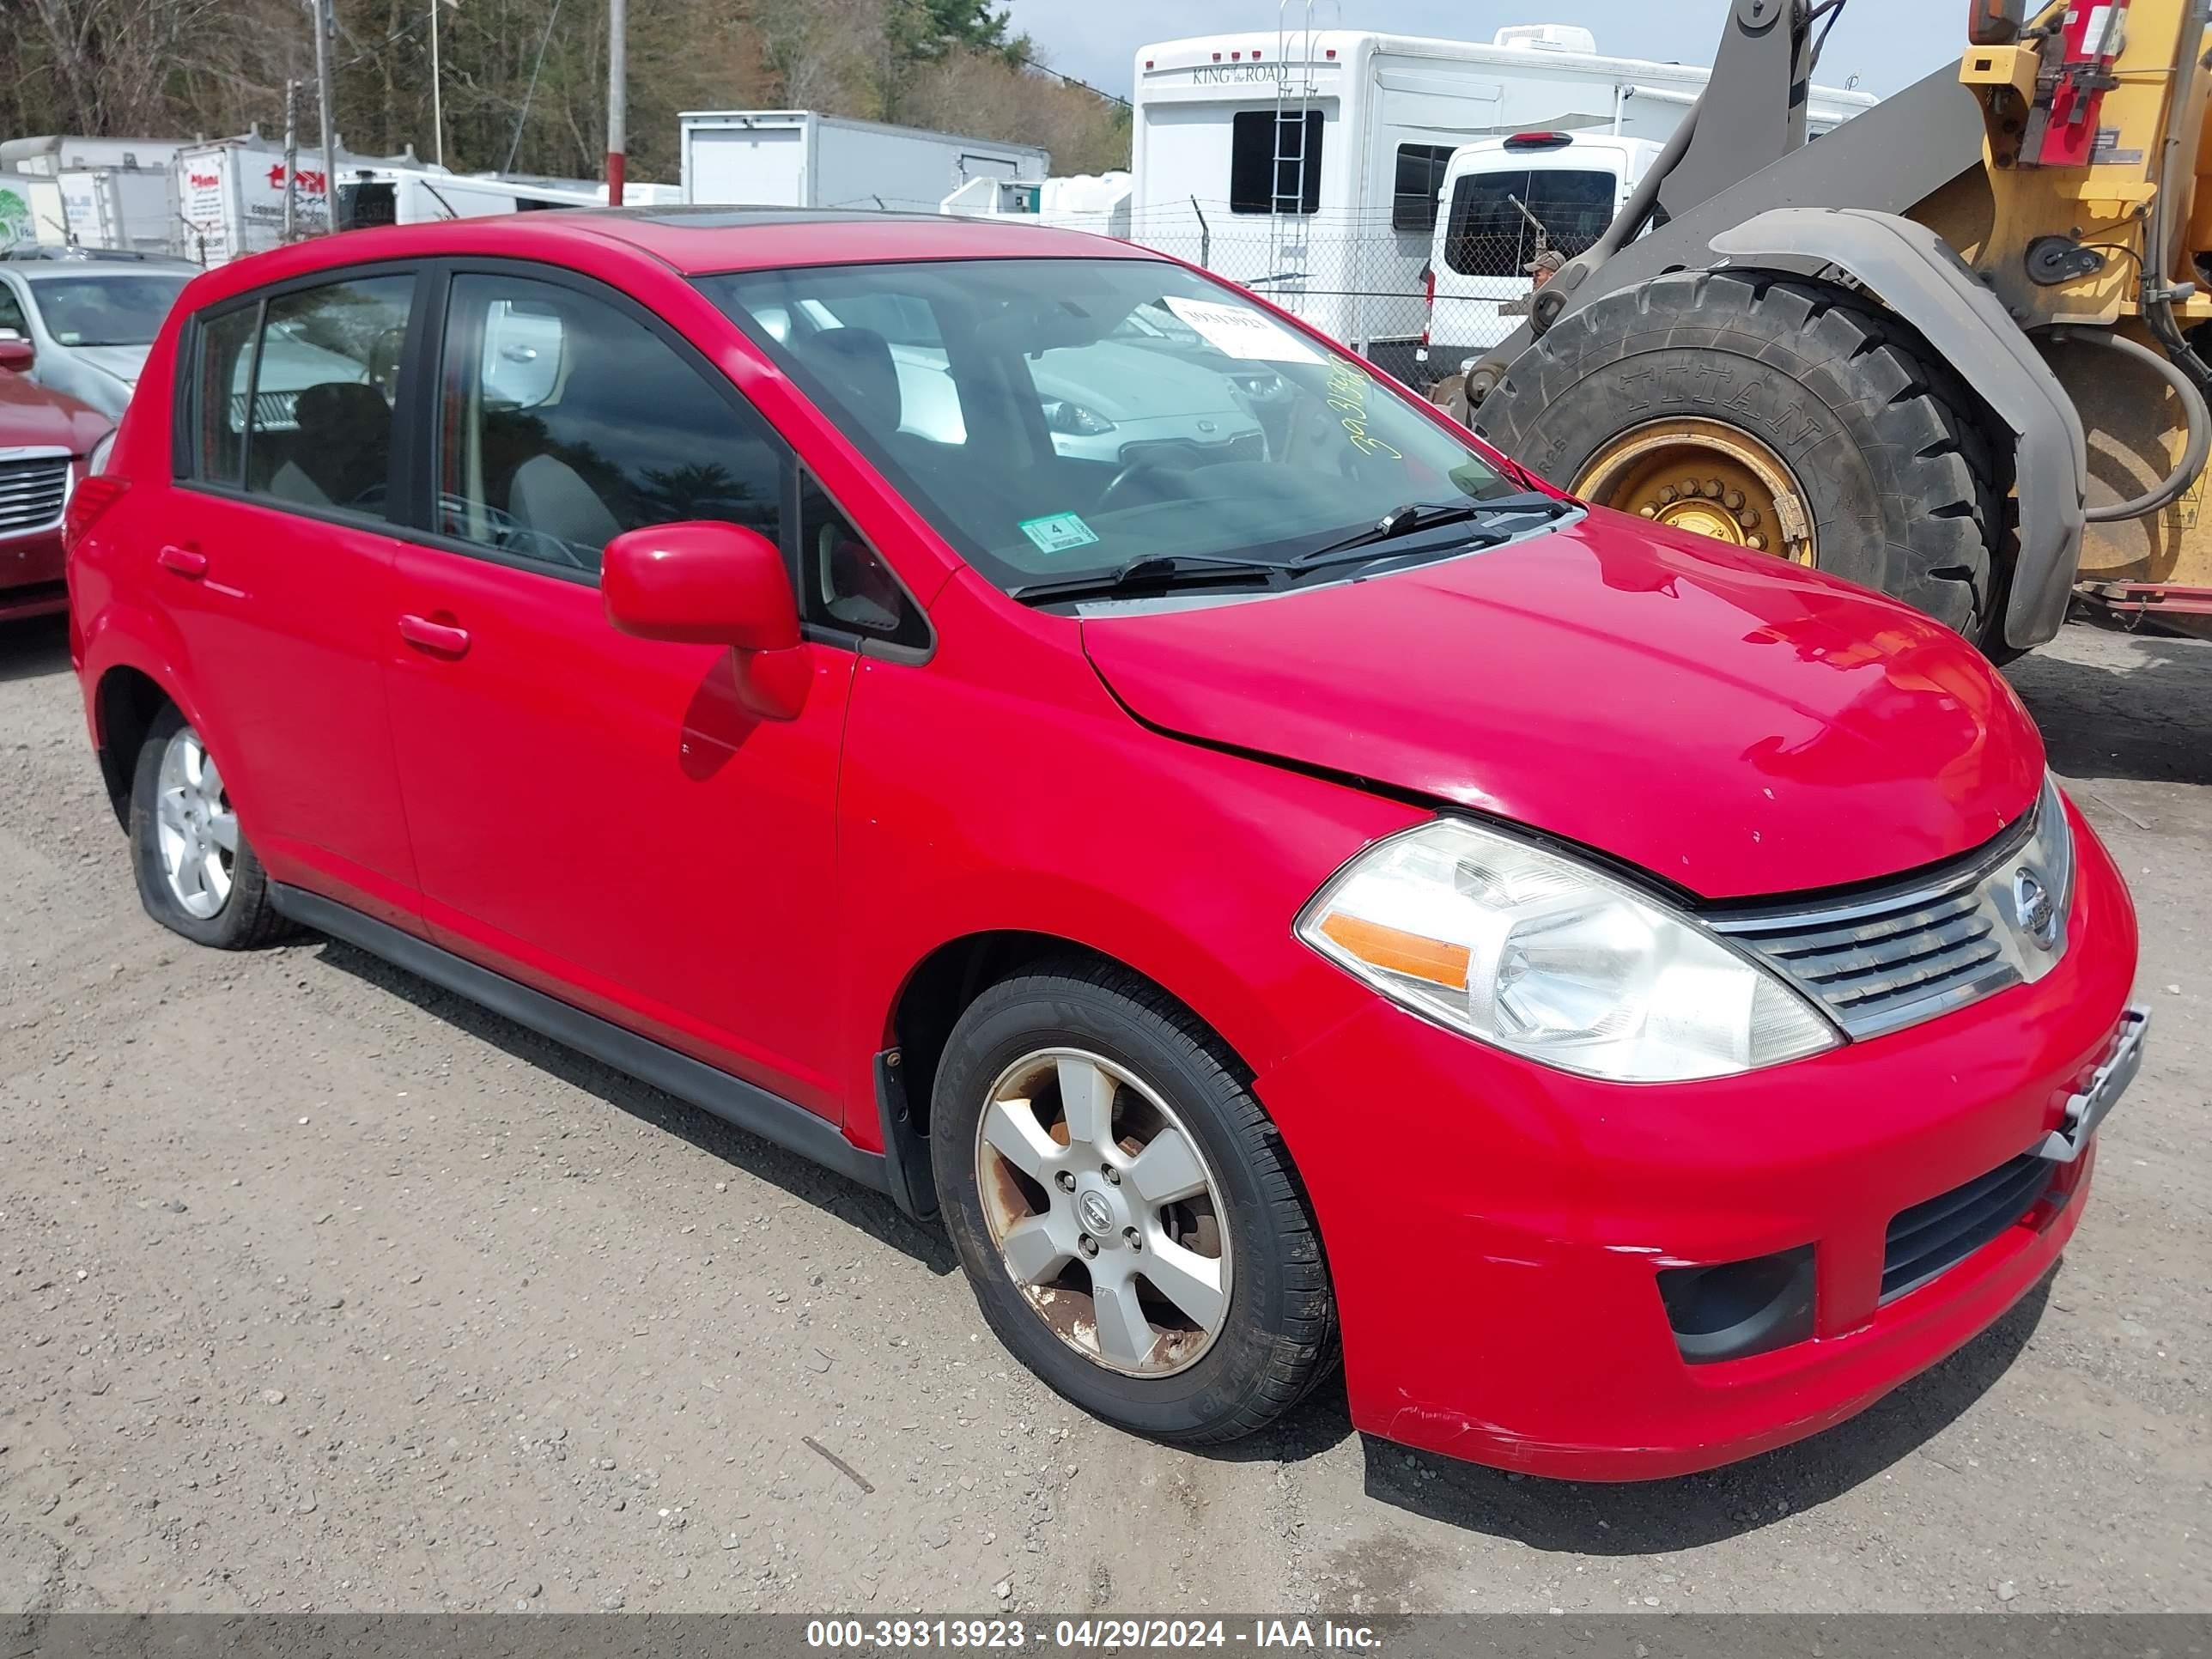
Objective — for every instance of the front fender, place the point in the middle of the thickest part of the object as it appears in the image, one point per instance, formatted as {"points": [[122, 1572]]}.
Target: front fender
{"points": [[1917, 275]]}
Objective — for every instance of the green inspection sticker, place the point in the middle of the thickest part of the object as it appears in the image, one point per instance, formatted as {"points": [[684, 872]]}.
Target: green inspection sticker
{"points": [[1058, 533]]}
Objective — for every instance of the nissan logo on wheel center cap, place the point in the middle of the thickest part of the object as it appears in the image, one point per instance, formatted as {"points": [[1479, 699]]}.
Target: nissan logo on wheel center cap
{"points": [[1097, 1215], [2032, 904]]}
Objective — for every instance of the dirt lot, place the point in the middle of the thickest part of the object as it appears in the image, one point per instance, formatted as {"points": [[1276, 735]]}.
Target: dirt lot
{"points": [[320, 1290]]}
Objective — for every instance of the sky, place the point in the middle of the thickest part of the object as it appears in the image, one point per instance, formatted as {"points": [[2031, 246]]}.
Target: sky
{"points": [[1887, 43]]}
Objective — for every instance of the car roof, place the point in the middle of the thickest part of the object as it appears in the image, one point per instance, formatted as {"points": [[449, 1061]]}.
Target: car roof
{"points": [[693, 241]]}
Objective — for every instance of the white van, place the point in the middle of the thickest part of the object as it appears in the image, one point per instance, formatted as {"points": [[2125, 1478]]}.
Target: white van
{"points": [[1504, 203]]}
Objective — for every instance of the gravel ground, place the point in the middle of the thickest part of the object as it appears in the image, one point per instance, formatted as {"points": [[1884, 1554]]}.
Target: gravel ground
{"points": [[321, 1290]]}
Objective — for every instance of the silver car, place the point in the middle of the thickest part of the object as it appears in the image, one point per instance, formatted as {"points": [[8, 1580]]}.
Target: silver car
{"points": [[90, 322]]}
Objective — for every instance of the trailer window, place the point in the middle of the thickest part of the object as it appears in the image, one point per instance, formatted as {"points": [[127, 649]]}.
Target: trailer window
{"points": [[1489, 236], [1274, 162], [1421, 170]]}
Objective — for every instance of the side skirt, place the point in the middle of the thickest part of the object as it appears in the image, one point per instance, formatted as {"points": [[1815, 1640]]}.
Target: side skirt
{"points": [[755, 1111]]}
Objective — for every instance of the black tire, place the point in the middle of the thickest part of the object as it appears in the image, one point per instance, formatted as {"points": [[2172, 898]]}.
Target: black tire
{"points": [[1279, 1339], [1902, 483], [247, 920]]}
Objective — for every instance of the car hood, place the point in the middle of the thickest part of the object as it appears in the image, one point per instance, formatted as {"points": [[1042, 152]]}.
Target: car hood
{"points": [[1730, 722], [34, 416], [125, 362]]}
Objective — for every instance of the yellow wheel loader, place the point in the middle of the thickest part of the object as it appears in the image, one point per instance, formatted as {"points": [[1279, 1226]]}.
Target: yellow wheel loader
{"points": [[1950, 351]]}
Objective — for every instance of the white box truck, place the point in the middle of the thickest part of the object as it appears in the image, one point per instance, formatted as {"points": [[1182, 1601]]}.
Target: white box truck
{"points": [[798, 158], [1307, 163]]}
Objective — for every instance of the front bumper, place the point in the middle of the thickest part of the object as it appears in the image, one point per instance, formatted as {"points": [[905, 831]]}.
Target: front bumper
{"points": [[1495, 1230], [31, 567]]}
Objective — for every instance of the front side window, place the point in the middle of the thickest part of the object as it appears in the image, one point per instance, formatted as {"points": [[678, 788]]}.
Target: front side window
{"points": [[12, 320], [107, 308], [1490, 235], [1420, 177], [565, 422], [1274, 162], [1077, 414]]}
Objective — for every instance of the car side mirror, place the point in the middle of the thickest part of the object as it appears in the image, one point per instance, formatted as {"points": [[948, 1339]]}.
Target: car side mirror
{"points": [[18, 353], [705, 582]]}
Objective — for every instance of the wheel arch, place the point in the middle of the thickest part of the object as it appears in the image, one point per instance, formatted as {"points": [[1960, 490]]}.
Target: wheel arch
{"points": [[939, 987], [125, 702]]}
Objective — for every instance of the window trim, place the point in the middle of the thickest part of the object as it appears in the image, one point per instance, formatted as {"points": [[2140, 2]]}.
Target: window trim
{"points": [[411, 496], [183, 434]]}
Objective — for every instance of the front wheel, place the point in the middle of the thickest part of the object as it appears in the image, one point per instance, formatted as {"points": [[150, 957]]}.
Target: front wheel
{"points": [[1132, 1226], [1780, 415]]}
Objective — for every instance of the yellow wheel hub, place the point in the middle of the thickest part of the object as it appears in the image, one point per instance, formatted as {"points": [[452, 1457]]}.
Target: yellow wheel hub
{"points": [[1705, 477]]}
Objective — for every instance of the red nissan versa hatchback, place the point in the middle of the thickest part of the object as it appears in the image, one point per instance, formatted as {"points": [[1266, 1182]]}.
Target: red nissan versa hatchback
{"points": [[1038, 731]]}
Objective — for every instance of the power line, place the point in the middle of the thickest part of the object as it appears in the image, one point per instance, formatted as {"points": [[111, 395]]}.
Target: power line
{"points": [[1027, 62]]}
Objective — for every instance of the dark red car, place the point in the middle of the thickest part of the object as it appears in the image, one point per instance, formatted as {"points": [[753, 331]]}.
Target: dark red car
{"points": [[1039, 731], [45, 439]]}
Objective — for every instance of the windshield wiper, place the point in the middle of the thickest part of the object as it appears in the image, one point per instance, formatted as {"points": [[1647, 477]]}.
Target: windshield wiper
{"points": [[1155, 572], [1416, 516]]}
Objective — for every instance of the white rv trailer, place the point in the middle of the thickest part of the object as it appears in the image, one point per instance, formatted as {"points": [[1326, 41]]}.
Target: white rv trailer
{"points": [[1307, 163], [798, 158], [418, 195], [1098, 202]]}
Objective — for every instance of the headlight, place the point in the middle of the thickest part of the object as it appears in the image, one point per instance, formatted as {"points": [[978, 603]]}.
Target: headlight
{"points": [[1063, 415], [1547, 957], [95, 460]]}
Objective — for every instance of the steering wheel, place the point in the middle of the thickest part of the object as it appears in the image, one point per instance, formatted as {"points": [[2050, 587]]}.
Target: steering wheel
{"points": [[1122, 480]]}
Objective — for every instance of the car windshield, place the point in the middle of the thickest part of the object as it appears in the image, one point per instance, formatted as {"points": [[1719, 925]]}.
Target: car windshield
{"points": [[1061, 419], [106, 308]]}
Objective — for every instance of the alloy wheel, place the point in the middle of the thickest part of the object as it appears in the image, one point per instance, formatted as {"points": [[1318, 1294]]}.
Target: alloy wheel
{"points": [[1104, 1210], [196, 827]]}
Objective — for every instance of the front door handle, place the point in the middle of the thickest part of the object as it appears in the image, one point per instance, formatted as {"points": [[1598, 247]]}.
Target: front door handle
{"points": [[443, 638], [185, 561]]}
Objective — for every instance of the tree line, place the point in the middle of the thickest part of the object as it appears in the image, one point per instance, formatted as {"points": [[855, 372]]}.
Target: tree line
{"points": [[524, 81]]}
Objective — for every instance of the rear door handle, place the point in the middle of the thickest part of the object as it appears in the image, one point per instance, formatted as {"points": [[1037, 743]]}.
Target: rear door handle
{"points": [[184, 560], [443, 638]]}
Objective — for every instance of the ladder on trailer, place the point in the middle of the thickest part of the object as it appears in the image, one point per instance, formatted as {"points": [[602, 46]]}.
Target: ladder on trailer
{"points": [[1290, 227]]}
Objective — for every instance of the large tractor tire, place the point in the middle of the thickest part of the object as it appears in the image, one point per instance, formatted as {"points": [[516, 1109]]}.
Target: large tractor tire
{"points": [[1780, 414]]}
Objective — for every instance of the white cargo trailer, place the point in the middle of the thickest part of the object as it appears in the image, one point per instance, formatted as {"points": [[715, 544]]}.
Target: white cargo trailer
{"points": [[1307, 163], [230, 194], [798, 158], [131, 208]]}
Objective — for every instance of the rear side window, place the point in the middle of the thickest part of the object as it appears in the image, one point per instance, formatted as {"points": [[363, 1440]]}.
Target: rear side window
{"points": [[1421, 178], [1274, 162], [224, 383], [294, 396], [1488, 235]]}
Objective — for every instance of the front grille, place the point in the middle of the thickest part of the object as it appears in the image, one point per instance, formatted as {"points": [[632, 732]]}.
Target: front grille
{"points": [[1890, 956], [32, 493], [1932, 1237]]}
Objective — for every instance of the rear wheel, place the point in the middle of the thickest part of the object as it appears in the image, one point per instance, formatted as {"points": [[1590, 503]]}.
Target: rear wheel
{"points": [[196, 874], [1778, 415]]}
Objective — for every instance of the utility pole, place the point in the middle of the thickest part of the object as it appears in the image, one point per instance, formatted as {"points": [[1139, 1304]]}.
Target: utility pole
{"points": [[617, 111], [291, 158], [320, 9], [437, 92]]}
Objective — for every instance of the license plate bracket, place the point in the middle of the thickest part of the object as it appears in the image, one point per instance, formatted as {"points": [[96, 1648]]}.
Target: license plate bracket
{"points": [[2085, 1110]]}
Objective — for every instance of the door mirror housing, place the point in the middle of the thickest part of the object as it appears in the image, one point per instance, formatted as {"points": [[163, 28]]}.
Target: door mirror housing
{"points": [[18, 353], [705, 582]]}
